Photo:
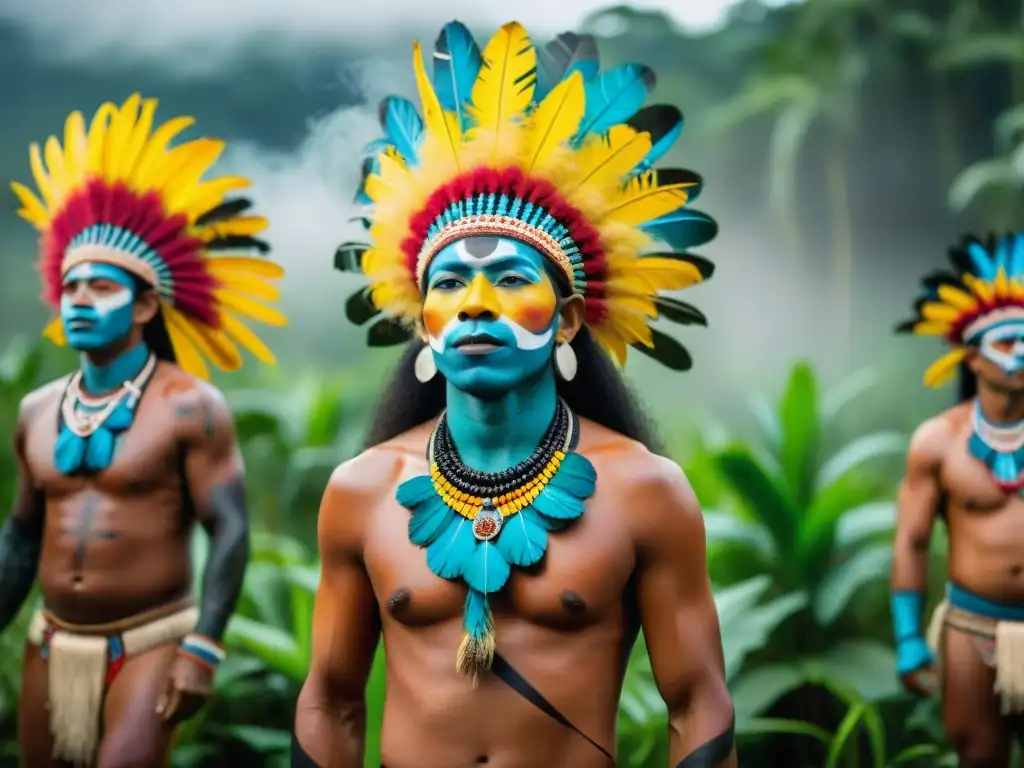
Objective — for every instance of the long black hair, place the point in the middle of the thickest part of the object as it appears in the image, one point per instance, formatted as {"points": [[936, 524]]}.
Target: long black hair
{"points": [[967, 384], [598, 392], [154, 333]]}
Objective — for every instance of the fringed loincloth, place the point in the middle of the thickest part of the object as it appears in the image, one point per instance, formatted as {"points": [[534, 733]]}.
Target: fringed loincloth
{"points": [[998, 634], [83, 661]]}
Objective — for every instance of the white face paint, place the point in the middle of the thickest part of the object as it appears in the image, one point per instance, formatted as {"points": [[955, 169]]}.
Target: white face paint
{"points": [[1003, 344]]}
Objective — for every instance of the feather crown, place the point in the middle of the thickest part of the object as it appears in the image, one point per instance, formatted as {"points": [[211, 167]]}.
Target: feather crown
{"points": [[541, 146], [116, 192], [985, 286]]}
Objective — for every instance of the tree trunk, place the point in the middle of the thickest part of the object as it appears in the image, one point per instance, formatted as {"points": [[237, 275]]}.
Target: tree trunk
{"points": [[842, 239]]}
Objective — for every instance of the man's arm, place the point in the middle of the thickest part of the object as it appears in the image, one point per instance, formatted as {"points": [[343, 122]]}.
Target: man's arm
{"points": [[919, 498], [216, 482], [680, 620], [330, 717], [21, 536]]}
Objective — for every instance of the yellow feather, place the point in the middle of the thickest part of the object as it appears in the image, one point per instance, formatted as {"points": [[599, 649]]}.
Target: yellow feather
{"points": [[139, 134], [239, 225], [210, 194], [32, 210], [185, 166], [643, 200], [984, 291], [246, 307], [218, 347], [628, 326], [444, 127], [605, 160], [632, 302], [667, 274], [555, 121], [54, 331], [957, 298], [35, 161], [95, 152], [117, 135], [241, 333], [504, 89], [74, 147], [250, 287], [939, 372], [185, 352], [933, 310], [156, 150], [55, 165], [932, 328], [615, 346], [1001, 284], [247, 265]]}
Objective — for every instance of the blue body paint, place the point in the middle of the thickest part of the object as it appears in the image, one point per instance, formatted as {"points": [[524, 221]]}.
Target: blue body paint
{"points": [[912, 652]]}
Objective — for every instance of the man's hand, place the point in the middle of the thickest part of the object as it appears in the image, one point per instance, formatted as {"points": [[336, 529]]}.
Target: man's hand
{"points": [[189, 685]]}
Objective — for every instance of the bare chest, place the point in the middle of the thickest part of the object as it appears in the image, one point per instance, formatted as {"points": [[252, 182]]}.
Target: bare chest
{"points": [[147, 457], [969, 488], [582, 579]]}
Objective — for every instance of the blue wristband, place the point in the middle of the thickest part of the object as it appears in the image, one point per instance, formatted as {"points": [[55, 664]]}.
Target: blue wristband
{"points": [[906, 614]]}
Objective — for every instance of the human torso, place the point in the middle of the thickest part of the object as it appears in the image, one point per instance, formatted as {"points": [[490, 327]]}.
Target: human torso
{"points": [[986, 523], [117, 543], [565, 625]]}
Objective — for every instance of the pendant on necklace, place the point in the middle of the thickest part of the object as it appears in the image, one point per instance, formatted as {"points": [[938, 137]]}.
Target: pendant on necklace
{"points": [[1000, 447]]}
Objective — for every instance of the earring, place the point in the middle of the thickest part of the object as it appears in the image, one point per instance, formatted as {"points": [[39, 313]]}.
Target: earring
{"points": [[424, 367], [565, 361]]}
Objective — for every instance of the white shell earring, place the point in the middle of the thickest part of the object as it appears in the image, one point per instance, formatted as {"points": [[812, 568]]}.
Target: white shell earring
{"points": [[424, 367], [565, 361]]}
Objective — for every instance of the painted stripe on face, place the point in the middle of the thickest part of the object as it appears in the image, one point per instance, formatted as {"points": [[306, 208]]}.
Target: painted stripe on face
{"points": [[1003, 344], [525, 340]]}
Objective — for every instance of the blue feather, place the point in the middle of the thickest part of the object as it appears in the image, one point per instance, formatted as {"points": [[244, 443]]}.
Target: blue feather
{"points": [[69, 452], [664, 123], [403, 125], [476, 614], [682, 228], [486, 571], [451, 551], [457, 62], [984, 266], [535, 518], [99, 450], [564, 55], [415, 491], [558, 504], [576, 476], [615, 96], [377, 146], [1017, 260], [429, 520], [122, 418], [523, 541]]}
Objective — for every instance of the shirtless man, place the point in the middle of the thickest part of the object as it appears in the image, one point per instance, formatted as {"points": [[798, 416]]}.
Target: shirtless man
{"points": [[510, 570], [117, 462], [967, 466]]}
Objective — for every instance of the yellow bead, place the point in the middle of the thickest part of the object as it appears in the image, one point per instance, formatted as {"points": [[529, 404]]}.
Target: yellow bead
{"points": [[518, 504], [555, 461], [548, 474], [559, 455]]}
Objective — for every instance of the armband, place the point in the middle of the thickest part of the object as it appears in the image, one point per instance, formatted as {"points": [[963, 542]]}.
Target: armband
{"points": [[202, 649]]}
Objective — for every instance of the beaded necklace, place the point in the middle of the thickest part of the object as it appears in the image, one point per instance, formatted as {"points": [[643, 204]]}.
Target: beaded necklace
{"points": [[1001, 448], [475, 526]]}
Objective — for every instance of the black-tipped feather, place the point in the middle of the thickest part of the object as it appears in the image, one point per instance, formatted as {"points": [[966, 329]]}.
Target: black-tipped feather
{"points": [[349, 257], [907, 326], [387, 333], [364, 174], [668, 176], [667, 351], [679, 311], [566, 52], [226, 210], [704, 266], [362, 220], [359, 307], [238, 242]]}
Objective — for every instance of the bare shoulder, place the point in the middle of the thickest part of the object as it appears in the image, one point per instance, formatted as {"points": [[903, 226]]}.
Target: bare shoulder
{"points": [[357, 487], [651, 491], [199, 409], [932, 439], [40, 399]]}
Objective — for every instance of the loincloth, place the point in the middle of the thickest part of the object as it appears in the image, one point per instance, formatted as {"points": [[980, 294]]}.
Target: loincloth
{"points": [[83, 661], [998, 634]]}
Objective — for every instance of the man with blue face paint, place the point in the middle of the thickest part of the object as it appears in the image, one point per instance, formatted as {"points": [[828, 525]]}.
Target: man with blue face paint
{"points": [[118, 461], [966, 466], [509, 531]]}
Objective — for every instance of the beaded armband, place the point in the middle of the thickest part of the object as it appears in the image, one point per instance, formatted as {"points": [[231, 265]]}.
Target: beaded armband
{"points": [[202, 649]]}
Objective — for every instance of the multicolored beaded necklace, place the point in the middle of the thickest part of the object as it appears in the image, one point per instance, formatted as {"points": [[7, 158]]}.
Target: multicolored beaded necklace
{"points": [[1001, 448], [476, 525]]}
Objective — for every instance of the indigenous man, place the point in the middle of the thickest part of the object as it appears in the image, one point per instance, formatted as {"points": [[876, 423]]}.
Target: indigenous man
{"points": [[967, 466], [119, 460], [510, 570]]}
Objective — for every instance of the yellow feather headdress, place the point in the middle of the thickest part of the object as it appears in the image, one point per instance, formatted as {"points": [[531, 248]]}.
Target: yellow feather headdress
{"points": [[985, 287], [116, 192], [540, 146]]}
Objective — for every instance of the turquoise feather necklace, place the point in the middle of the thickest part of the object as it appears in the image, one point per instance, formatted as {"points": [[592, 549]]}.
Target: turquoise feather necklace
{"points": [[476, 526], [1001, 448], [89, 426]]}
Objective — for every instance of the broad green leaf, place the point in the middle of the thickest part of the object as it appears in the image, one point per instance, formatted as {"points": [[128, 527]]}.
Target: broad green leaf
{"points": [[862, 668], [769, 725], [765, 500], [844, 732], [747, 623], [916, 752], [260, 740], [849, 458], [264, 594], [798, 417], [865, 522], [323, 417], [865, 566], [756, 690], [978, 177], [721, 527], [816, 536], [846, 392], [1009, 126], [274, 647], [982, 48], [767, 421]]}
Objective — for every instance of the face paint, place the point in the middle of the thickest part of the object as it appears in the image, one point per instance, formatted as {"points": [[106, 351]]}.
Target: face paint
{"points": [[96, 307], [1003, 344], [490, 312]]}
